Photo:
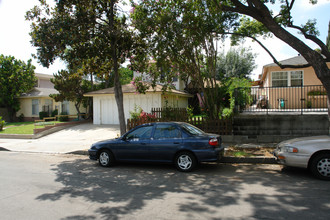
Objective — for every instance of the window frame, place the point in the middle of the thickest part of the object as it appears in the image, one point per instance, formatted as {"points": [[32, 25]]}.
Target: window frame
{"points": [[146, 128], [288, 79], [167, 126], [37, 106]]}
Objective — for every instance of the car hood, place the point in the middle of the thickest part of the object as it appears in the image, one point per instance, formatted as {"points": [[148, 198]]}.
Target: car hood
{"points": [[109, 141], [307, 140]]}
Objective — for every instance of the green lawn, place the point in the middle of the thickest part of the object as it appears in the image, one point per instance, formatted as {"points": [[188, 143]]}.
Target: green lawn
{"points": [[21, 128]]}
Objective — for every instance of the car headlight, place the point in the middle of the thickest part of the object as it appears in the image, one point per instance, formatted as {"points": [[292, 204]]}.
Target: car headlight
{"points": [[290, 149]]}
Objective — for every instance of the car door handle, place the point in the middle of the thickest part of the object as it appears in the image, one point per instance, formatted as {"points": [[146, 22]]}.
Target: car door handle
{"points": [[143, 143], [176, 143]]}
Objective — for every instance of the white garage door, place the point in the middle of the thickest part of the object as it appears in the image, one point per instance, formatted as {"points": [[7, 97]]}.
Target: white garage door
{"points": [[106, 111]]}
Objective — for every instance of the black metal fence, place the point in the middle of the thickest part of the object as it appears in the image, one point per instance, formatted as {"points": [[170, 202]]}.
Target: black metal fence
{"points": [[282, 99]]}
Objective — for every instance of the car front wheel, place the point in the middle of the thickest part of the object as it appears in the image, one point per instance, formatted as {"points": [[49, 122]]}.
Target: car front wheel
{"points": [[185, 162], [320, 166], [106, 158]]}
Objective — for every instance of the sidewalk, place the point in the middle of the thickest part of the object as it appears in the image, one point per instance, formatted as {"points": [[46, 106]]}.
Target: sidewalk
{"points": [[69, 140]]}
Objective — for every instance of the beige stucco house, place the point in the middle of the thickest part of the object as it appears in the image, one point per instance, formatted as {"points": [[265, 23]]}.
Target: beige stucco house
{"points": [[38, 100], [298, 88], [105, 108]]}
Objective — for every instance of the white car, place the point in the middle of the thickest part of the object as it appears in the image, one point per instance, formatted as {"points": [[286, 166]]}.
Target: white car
{"points": [[307, 152]]}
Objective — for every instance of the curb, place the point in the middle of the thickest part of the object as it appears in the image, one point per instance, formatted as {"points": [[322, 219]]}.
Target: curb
{"points": [[79, 152], [252, 160]]}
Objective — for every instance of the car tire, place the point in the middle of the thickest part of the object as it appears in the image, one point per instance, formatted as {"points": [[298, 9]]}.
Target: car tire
{"points": [[106, 158], [320, 166], [185, 161]]}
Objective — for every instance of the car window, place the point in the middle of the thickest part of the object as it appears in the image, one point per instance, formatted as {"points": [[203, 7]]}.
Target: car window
{"points": [[166, 132], [140, 133], [191, 129]]}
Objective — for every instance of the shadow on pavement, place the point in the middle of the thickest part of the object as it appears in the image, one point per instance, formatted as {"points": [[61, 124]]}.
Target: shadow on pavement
{"points": [[214, 191]]}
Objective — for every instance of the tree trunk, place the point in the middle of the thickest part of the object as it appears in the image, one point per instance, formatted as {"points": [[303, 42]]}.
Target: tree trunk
{"points": [[117, 86], [11, 114], [77, 105], [119, 99]]}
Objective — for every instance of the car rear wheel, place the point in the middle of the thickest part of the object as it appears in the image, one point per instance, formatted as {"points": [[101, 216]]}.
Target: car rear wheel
{"points": [[185, 161], [320, 166], [106, 158]]}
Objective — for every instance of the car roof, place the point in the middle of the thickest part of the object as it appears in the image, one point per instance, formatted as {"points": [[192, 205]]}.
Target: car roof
{"points": [[165, 123]]}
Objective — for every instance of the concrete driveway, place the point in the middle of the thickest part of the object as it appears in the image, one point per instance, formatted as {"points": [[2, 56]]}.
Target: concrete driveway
{"points": [[76, 138]]}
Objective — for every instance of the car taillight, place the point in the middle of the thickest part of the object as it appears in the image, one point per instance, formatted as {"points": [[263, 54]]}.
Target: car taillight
{"points": [[213, 142]]}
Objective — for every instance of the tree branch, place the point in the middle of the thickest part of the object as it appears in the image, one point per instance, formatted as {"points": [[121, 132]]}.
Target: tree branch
{"points": [[269, 52], [324, 48]]}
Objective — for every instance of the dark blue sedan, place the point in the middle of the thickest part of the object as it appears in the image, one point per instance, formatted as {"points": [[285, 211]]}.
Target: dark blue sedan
{"points": [[164, 142]]}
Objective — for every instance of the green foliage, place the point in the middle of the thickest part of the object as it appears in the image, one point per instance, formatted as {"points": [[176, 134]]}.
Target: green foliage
{"points": [[236, 63], [135, 114], [16, 77], [190, 111], [181, 45], [43, 115], [21, 117], [126, 75], [91, 35], [140, 86], [139, 114], [63, 117], [239, 91], [316, 92], [2, 123], [71, 87], [310, 27], [54, 113]]}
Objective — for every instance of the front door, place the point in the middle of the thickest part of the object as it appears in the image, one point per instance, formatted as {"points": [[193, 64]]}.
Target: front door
{"points": [[135, 145], [165, 143]]}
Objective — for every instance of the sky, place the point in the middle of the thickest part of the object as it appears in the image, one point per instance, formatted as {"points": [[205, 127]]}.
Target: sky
{"points": [[15, 38]]}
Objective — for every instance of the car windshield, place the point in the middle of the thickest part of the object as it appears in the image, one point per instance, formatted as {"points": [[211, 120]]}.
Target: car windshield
{"points": [[192, 129]]}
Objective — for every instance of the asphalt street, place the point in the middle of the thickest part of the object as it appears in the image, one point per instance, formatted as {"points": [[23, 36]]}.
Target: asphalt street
{"points": [[65, 186]]}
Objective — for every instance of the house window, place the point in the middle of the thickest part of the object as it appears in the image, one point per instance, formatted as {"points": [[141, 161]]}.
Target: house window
{"points": [[65, 107], [287, 78], [35, 106], [48, 107]]}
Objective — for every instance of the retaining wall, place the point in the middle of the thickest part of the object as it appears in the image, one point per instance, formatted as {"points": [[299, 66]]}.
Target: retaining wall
{"points": [[275, 128]]}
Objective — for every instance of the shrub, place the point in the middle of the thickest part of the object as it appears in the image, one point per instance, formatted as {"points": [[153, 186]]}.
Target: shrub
{"points": [[2, 123], [21, 117], [190, 111], [63, 117], [316, 92], [135, 114], [147, 116], [43, 115], [54, 113]]}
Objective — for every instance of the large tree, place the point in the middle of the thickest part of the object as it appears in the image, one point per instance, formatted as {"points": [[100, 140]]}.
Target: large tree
{"points": [[83, 30], [238, 18], [180, 44], [257, 19], [16, 77], [237, 62]]}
